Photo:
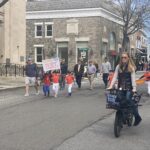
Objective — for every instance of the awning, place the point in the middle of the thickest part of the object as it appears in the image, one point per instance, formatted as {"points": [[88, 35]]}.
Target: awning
{"points": [[113, 52]]}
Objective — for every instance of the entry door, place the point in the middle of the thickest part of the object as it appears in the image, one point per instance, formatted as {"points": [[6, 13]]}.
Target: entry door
{"points": [[83, 54], [63, 53]]}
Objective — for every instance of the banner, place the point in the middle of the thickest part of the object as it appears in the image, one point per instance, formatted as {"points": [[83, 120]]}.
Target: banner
{"points": [[51, 64]]}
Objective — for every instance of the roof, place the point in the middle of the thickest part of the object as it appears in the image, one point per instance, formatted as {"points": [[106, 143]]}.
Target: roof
{"points": [[45, 5]]}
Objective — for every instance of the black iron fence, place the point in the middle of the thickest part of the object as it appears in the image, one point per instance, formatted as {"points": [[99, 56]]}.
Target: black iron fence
{"points": [[11, 70]]}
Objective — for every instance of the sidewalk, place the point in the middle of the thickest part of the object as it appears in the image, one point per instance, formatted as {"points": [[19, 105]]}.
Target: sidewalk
{"points": [[11, 82]]}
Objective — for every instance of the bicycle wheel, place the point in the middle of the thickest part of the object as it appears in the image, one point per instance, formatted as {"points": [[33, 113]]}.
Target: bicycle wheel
{"points": [[117, 124]]}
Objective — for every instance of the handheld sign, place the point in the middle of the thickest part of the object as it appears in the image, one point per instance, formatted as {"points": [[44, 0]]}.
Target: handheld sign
{"points": [[51, 64]]}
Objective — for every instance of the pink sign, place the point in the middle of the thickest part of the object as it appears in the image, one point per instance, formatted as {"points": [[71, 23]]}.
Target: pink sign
{"points": [[51, 64]]}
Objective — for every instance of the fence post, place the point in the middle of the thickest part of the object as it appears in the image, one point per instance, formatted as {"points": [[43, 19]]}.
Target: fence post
{"points": [[23, 71], [6, 70], [15, 70]]}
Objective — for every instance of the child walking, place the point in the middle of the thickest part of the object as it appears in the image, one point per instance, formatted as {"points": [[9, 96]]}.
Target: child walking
{"points": [[55, 79], [146, 77], [70, 81], [46, 84], [110, 77]]}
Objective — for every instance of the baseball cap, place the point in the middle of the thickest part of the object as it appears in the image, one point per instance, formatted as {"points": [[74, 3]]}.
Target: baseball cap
{"points": [[29, 59]]}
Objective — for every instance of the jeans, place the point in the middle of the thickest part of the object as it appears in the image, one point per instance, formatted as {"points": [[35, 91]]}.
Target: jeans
{"points": [[125, 97], [105, 78], [46, 89]]}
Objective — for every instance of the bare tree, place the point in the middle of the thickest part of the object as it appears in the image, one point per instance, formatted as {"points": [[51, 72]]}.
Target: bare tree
{"points": [[3, 2], [135, 15]]}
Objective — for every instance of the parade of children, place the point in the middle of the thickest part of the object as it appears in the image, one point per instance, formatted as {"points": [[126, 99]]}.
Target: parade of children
{"points": [[51, 81]]}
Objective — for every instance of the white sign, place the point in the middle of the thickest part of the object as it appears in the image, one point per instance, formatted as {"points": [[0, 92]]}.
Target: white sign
{"points": [[51, 64]]}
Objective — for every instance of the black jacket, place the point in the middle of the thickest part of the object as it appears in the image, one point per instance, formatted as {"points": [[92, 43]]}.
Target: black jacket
{"points": [[64, 68], [81, 71]]}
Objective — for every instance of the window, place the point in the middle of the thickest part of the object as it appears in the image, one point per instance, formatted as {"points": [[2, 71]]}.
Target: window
{"points": [[48, 29], [38, 30], [38, 54], [112, 39]]}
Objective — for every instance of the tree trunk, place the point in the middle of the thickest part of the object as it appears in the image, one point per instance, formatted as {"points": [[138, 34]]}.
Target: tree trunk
{"points": [[126, 43]]}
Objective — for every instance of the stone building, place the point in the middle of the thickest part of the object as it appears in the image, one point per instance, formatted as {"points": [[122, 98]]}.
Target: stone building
{"points": [[72, 29], [139, 46], [13, 32]]}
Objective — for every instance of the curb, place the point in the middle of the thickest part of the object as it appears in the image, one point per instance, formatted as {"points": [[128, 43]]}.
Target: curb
{"points": [[12, 88]]}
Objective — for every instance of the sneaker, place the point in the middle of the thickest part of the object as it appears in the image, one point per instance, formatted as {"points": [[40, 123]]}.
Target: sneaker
{"points": [[26, 94], [55, 95], [137, 121], [37, 93], [69, 94]]}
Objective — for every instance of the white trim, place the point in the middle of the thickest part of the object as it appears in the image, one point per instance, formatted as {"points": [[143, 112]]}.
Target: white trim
{"points": [[48, 23], [38, 45], [104, 40], [73, 13], [82, 39], [38, 23], [63, 39], [72, 21]]}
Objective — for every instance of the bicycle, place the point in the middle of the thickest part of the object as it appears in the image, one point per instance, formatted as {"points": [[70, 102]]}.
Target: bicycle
{"points": [[124, 112]]}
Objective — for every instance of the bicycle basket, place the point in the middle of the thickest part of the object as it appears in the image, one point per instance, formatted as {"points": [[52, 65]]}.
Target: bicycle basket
{"points": [[111, 99]]}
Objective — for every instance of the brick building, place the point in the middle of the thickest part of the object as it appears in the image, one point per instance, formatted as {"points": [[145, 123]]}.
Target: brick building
{"points": [[72, 29]]}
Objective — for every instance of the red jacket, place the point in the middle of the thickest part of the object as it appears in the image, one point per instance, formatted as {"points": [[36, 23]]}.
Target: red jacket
{"points": [[69, 79]]}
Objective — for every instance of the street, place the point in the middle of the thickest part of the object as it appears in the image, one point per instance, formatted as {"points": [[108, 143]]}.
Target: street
{"points": [[80, 122], [60, 60]]}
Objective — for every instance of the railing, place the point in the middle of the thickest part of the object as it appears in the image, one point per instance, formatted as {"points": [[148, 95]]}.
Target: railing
{"points": [[11, 70]]}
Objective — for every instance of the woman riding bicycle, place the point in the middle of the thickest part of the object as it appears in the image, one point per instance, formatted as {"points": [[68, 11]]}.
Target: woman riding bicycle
{"points": [[125, 73]]}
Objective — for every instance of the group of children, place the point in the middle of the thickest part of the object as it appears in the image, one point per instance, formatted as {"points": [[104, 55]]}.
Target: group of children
{"points": [[53, 78]]}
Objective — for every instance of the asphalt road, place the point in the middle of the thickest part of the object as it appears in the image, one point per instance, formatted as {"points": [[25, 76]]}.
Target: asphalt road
{"points": [[80, 122], [39, 123], [100, 136]]}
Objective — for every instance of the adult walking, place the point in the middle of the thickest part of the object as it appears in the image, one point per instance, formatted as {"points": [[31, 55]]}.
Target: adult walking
{"points": [[79, 70], [105, 68], [31, 76], [91, 71], [125, 73], [97, 67], [64, 69]]}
